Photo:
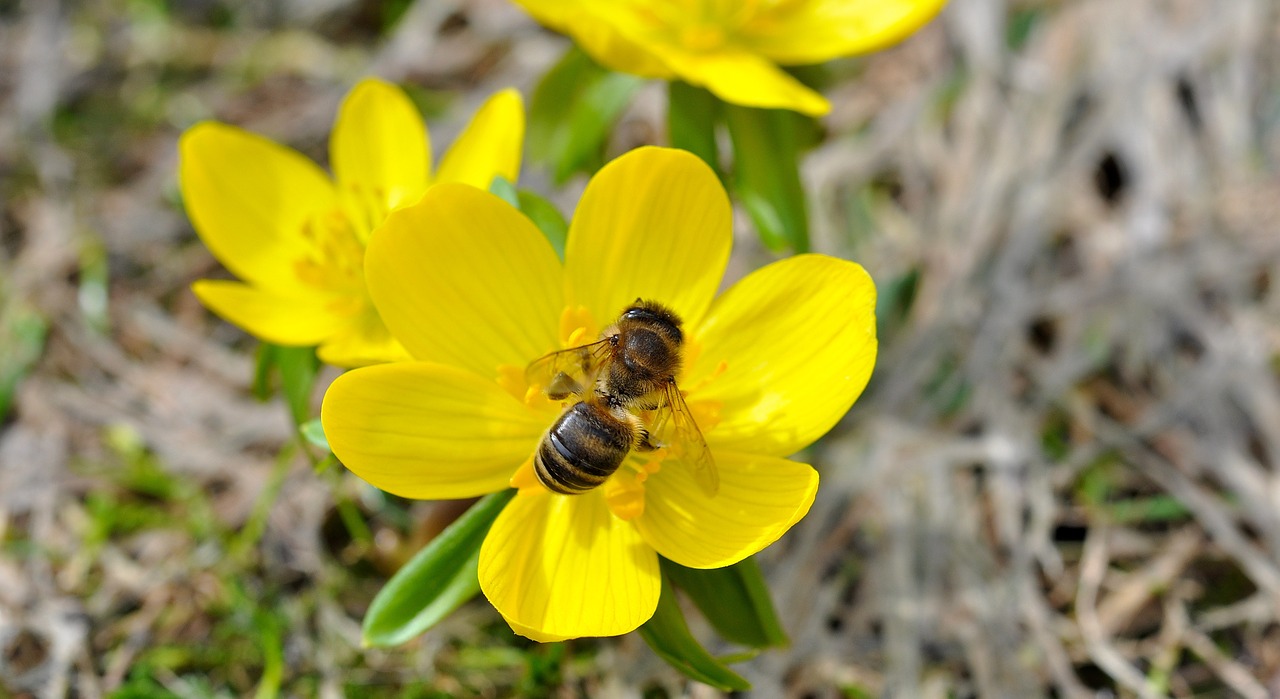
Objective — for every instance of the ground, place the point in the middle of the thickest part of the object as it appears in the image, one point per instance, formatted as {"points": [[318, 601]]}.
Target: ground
{"points": [[1062, 481]]}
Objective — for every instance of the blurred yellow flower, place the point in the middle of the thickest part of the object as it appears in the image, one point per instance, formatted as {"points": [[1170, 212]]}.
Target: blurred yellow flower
{"points": [[297, 237], [476, 293], [733, 47]]}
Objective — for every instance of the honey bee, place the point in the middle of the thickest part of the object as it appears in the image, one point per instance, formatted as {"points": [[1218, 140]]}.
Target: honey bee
{"points": [[630, 370]]}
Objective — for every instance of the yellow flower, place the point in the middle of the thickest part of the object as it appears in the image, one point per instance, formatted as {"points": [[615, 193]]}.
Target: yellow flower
{"points": [[733, 47], [297, 237], [770, 366]]}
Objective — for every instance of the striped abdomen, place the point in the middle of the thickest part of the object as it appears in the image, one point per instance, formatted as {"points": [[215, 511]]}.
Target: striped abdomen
{"points": [[585, 446]]}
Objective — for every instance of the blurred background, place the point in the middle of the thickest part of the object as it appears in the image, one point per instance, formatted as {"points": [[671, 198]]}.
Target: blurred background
{"points": [[1062, 481]]}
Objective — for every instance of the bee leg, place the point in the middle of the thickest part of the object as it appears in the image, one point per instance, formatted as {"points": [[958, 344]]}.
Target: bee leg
{"points": [[562, 386], [643, 443]]}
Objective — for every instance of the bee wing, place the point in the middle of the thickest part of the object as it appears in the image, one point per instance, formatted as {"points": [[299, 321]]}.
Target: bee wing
{"points": [[686, 439], [570, 371]]}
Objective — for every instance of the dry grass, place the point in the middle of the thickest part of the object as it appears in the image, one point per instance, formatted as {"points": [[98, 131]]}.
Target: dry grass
{"points": [[1063, 480]]}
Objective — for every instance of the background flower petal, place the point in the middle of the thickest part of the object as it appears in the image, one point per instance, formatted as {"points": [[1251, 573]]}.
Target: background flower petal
{"points": [[561, 566], [428, 431], [463, 278], [760, 497], [362, 341], [798, 338], [654, 223], [379, 147], [589, 23], [816, 31], [249, 198], [740, 76], [270, 316], [490, 145]]}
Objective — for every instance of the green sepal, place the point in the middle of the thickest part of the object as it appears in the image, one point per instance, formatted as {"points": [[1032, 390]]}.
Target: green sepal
{"points": [[572, 111], [298, 367], [735, 599], [766, 168], [692, 114], [504, 190], [437, 580], [313, 432], [543, 213], [547, 218], [669, 637]]}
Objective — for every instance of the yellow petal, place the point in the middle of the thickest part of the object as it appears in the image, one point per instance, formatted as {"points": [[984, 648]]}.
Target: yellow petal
{"points": [[654, 224], [739, 76], [248, 198], [462, 278], [423, 430], [798, 342], [561, 566], [282, 320], [363, 341], [760, 497], [815, 31], [489, 146], [594, 27], [379, 146]]}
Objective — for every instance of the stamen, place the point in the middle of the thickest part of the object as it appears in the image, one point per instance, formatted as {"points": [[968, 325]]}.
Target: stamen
{"points": [[511, 379], [624, 494], [335, 260], [525, 477], [577, 326], [707, 413]]}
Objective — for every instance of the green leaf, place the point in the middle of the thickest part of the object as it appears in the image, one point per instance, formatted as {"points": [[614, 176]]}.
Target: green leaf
{"points": [[262, 368], [298, 367], [692, 113], [572, 111], [22, 335], [547, 218], [313, 432], [669, 637], [766, 165], [735, 599], [94, 278], [894, 302], [436, 581]]}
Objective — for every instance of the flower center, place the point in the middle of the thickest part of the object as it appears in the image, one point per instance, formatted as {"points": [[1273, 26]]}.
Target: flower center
{"points": [[624, 490], [335, 260], [700, 25], [702, 37]]}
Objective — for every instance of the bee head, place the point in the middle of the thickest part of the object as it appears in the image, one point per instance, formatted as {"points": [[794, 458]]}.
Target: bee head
{"points": [[656, 316]]}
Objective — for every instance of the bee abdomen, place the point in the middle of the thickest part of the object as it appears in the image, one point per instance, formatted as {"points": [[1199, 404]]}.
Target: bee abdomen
{"points": [[585, 446]]}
